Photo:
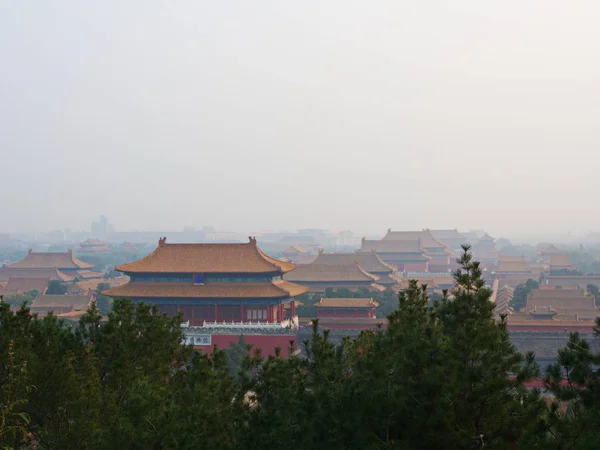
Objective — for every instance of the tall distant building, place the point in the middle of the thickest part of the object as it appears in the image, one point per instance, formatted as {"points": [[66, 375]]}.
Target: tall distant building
{"points": [[102, 227]]}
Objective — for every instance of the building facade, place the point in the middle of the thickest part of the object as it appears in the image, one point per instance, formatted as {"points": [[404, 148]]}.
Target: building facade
{"points": [[221, 290]]}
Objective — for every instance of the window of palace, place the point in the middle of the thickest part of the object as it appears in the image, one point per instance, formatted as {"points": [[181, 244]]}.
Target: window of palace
{"points": [[256, 314]]}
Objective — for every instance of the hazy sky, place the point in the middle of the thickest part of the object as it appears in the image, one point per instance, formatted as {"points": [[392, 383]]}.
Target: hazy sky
{"points": [[253, 115]]}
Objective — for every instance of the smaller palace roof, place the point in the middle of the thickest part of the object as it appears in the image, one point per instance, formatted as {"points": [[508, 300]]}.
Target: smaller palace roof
{"points": [[427, 239], [370, 262], [330, 273], [59, 304], [20, 285], [8, 272], [412, 246], [295, 248], [560, 261], [275, 289], [486, 238], [552, 250], [47, 260], [440, 235], [346, 303], [93, 242], [561, 299], [207, 258], [512, 264]]}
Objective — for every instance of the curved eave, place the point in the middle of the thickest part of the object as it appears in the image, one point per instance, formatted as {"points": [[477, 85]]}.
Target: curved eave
{"points": [[275, 290]]}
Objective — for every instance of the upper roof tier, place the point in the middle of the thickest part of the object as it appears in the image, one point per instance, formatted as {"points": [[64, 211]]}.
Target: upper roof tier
{"points": [[368, 261], [46, 260], [412, 246], [275, 289], [330, 273], [440, 235], [207, 258], [427, 239]]}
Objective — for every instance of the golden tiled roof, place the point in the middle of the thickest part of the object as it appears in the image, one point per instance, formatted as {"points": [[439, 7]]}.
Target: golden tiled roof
{"points": [[440, 235], [408, 246], [518, 266], [76, 302], [207, 258], [20, 285], [368, 261], [346, 303], [295, 248], [46, 260], [560, 261], [552, 250], [561, 299], [329, 273], [427, 239], [7, 272], [276, 289], [89, 274]]}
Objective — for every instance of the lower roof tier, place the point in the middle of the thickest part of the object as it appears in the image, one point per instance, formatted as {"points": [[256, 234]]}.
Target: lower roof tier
{"points": [[275, 289]]}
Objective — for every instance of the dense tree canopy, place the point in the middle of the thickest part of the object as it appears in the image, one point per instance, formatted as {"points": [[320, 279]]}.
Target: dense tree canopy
{"points": [[442, 374]]}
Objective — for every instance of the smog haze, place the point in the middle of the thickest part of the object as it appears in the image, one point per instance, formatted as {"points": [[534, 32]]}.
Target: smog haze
{"points": [[283, 115]]}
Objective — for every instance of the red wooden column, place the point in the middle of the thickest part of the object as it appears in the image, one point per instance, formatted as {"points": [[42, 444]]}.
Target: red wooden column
{"points": [[269, 313], [216, 313], [280, 309], [293, 308], [241, 312]]}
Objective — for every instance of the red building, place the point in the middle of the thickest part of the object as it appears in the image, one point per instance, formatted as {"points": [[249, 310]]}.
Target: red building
{"points": [[222, 290]]}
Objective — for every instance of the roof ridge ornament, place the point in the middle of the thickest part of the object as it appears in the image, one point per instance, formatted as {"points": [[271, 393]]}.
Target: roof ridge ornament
{"points": [[162, 241], [252, 240]]}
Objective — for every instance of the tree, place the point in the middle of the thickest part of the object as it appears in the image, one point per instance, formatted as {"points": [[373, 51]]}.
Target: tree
{"points": [[575, 382], [235, 356], [56, 287], [13, 396], [103, 302], [593, 289], [521, 293]]}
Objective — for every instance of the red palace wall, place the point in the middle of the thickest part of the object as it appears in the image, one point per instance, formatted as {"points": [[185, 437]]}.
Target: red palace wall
{"points": [[266, 343]]}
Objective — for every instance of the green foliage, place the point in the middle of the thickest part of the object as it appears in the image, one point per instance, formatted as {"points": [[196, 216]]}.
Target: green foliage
{"points": [[235, 355], [18, 299], [595, 291], [442, 374], [388, 300], [575, 383], [521, 292], [56, 287], [103, 302]]}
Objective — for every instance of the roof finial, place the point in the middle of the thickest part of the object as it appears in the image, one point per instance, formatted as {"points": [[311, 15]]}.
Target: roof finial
{"points": [[30, 250], [389, 230], [252, 240], [162, 241]]}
